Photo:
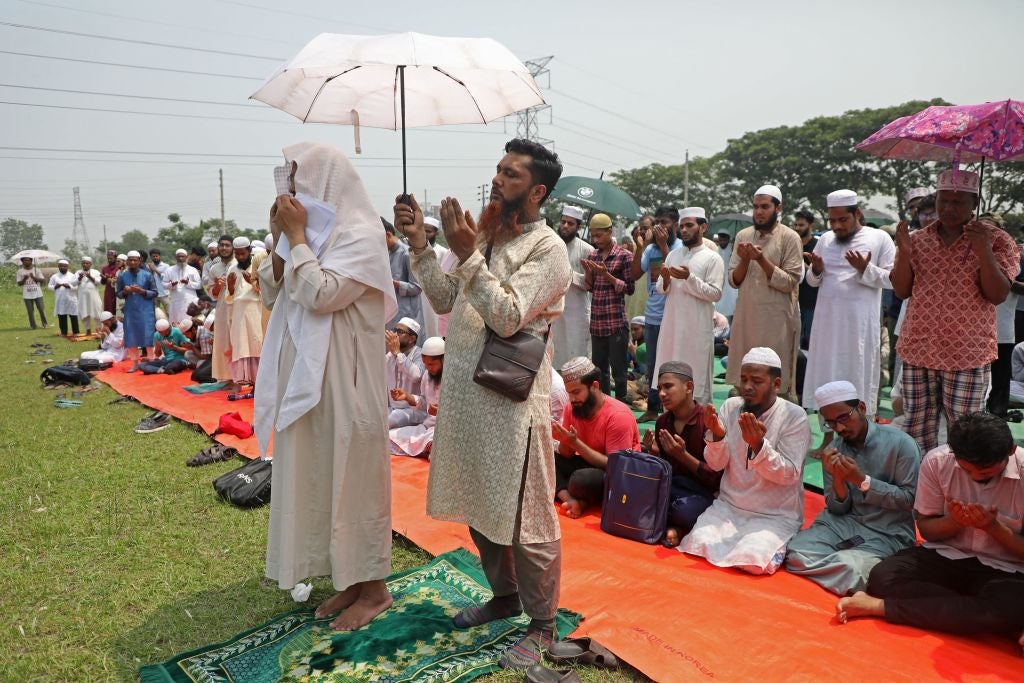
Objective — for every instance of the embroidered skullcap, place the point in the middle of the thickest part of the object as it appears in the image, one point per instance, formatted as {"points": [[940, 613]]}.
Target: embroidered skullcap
{"points": [[430, 220], [693, 212], [211, 245], [835, 392], [841, 198], [133, 254], [771, 191], [185, 325], [572, 212], [411, 324], [180, 251], [105, 316], [959, 181], [638, 320], [162, 325], [917, 193], [675, 367], [241, 242], [577, 367], [210, 319], [122, 257], [63, 262], [600, 221], [434, 346], [762, 355]]}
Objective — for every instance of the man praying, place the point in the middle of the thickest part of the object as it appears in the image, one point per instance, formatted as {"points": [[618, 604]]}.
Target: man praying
{"points": [[404, 370], [417, 437], [136, 287], [246, 321], [571, 330], [182, 283], [169, 347], [64, 286], [111, 348]]}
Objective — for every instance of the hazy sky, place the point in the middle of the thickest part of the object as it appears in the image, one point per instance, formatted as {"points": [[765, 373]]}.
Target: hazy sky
{"points": [[631, 83]]}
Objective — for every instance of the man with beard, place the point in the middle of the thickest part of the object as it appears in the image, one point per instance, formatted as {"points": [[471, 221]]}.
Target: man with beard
{"points": [[727, 304], [691, 280], [870, 473], [90, 305], [431, 320], [221, 361], [246, 320], [609, 277], [571, 330], [491, 466], [759, 443], [212, 254], [182, 282], [111, 348], [64, 286], [637, 347], [593, 425], [406, 288], [417, 437], [957, 269], [766, 267], [850, 267], [803, 223], [404, 370], [109, 274], [135, 285], [158, 268], [652, 248]]}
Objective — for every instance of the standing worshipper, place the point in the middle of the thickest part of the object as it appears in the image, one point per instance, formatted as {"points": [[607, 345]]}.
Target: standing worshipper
{"points": [[571, 330], [109, 273], [803, 223], [136, 287], [849, 267], [691, 280], [182, 283], [766, 267], [212, 255], [246, 319], [29, 278], [158, 268], [320, 391], [954, 272], [89, 303], [759, 442], [221, 361], [430, 317], [727, 304], [999, 397], [492, 465], [406, 288], [64, 286], [870, 474], [609, 277]]}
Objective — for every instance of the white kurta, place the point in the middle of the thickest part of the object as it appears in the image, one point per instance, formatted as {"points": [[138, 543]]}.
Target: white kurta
{"points": [[246, 318], [90, 304], [761, 502], [182, 283], [571, 331], [687, 328], [847, 319], [430, 316], [415, 438], [727, 304], [111, 347], [65, 301], [222, 329]]}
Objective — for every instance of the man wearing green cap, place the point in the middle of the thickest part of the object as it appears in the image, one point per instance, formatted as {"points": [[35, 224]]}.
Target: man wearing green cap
{"points": [[609, 278]]}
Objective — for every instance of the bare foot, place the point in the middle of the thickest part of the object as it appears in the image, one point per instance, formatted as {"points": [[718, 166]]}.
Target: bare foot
{"points": [[860, 604], [373, 599], [672, 537], [337, 602], [573, 508]]}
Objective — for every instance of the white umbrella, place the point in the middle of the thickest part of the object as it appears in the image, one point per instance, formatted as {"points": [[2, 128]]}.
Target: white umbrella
{"points": [[37, 255], [399, 80]]}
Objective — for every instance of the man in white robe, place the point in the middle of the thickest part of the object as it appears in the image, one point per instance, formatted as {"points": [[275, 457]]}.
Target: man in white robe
{"points": [[246, 319], [219, 272], [430, 317], [850, 266], [321, 393], [111, 348], [418, 436], [404, 370], [759, 443], [727, 304], [90, 305], [182, 283], [571, 330], [64, 286], [691, 280]]}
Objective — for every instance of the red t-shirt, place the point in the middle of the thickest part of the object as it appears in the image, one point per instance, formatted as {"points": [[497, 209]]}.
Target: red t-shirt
{"points": [[612, 428]]}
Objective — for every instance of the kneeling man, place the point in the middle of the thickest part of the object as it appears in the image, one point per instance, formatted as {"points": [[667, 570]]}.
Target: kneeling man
{"points": [[759, 442], [870, 473], [417, 437], [111, 349]]}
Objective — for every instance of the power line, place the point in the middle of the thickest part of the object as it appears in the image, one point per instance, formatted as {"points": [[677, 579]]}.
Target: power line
{"points": [[218, 155], [597, 139], [130, 66], [135, 97], [291, 13], [153, 162], [606, 135]]}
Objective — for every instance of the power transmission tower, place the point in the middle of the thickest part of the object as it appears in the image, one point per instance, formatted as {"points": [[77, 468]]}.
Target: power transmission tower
{"points": [[526, 120], [78, 234]]}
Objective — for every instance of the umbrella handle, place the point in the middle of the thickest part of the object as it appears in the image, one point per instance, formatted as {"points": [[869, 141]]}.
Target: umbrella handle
{"points": [[405, 199]]}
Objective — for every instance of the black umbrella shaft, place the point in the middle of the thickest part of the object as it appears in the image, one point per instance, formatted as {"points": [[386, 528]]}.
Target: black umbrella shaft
{"points": [[401, 89]]}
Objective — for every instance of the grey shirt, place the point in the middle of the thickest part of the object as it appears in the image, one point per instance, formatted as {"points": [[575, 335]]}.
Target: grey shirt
{"points": [[408, 290]]}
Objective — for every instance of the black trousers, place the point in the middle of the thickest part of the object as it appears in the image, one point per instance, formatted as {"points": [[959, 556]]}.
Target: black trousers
{"points": [[924, 589], [612, 350], [62, 320], [583, 481], [999, 396]]}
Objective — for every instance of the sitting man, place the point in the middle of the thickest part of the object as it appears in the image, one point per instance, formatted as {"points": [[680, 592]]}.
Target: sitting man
{"points": [[593, 425], [968, 577], [198, 356], [405, 368], [678, 437], [870, 474], [417, 437], [759, 442], [111, 348], [169, 347], [636, 348]]}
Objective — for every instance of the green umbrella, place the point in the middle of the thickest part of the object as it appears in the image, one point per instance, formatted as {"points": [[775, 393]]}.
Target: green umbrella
{"points": [[597, 195]]}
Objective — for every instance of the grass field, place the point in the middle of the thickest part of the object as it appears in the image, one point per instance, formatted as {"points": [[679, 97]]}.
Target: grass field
{"points": [[113, 554]]}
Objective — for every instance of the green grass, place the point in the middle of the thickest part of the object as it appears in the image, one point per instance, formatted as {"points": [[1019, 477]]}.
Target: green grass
{"points": [[114, 554]]}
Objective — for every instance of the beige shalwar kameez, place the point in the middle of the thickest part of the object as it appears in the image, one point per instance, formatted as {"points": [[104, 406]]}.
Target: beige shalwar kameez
{"points": [[221, 369]]}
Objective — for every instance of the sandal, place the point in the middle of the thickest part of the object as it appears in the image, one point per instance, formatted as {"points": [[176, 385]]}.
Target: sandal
{"points": [[581, 651], [212, 454], [541, 674]]}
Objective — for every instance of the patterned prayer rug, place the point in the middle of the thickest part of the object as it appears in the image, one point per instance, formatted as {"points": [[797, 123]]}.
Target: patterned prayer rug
{"points": [[413, 641]]}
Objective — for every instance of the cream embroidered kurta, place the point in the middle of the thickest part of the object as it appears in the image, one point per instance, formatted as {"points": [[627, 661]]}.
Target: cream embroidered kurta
{"points": [[767, 313], [246, 319], [687, 327], [90, 305], [483, 440], [571, 330], [221, 362], [182, 283]]}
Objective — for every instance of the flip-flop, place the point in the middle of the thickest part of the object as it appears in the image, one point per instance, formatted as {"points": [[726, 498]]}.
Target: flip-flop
{"points": [[581, 651], [66, 403], [541, 674], [212, 454]]}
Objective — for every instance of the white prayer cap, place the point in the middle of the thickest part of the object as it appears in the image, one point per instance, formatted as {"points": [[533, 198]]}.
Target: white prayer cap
{"points": [[86, 259], [572, 212], [835, 392], [211, 245], [841, 198], [133, 254], [268, 242], [762, 355], [241, 242], [105, 316], [162, 325], [434, 346], [259, 244], [430, 220], [411, 324], [185, 325], [63, 262], [180, 251], [122, 257], [210, 319], [959, 181], [917, 193], [693, 212], [577, 367], [638, 320], [771, 191]]}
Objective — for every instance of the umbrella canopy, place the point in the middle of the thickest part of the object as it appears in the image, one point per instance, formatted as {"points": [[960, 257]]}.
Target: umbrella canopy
{"points": [[37, 255], [967, 133], [731, 223], [596, 194]]}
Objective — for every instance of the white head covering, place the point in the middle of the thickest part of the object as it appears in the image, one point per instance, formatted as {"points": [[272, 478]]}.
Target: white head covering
{"points": [[87, 259], [241, 242], [210, 319], [771, 191], [122, 257], [185, 325], [211, 245], [434, 346], [693, 212], [162, 325], [259, 244], [411, 324], [105, 316], [577, 367], [430, 220], [835, 392], [572, 212], [268, 242], [917, 193], [959, 181], [762, 355], [638, 320], [133, 254], [353, 250], [180, 251], [63, 262], [841, 198]]}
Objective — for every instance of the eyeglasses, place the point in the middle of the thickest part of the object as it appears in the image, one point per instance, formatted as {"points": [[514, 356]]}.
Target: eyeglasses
{"points": [[398, 331], [841, 420]]}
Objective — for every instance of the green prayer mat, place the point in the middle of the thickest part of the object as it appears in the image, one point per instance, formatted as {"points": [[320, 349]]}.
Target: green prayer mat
{"points": [[415, 640]]}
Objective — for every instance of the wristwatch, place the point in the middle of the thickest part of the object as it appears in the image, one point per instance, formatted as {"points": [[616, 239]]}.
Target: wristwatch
{"points": [[865, 485]]}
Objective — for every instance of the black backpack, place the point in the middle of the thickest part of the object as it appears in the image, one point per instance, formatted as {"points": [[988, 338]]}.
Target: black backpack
{"points": [[65, 374], [246, 487], [93, 365]]}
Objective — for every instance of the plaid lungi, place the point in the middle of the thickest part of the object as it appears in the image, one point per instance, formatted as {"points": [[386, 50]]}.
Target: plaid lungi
{"points": [[927, 391]]}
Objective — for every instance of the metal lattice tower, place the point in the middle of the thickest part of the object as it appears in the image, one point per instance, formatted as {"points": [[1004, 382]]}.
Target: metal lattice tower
{"points": [[78, 234], [526, 120]]}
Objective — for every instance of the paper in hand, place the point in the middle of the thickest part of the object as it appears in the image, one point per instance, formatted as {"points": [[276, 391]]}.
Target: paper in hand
{"points": [[281, 180], [320, 218]]}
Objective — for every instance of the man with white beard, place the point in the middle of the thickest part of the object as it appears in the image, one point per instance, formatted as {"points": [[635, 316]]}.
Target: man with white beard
{"points": [[182, 282], [571, 331]]}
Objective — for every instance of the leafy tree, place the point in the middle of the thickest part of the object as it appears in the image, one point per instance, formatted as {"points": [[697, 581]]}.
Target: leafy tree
{"points": [[73, 251], [133, 239], [17, 235]]}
